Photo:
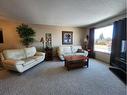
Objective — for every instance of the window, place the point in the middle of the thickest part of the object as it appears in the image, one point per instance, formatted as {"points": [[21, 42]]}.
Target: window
{"points": [[103, 39]]}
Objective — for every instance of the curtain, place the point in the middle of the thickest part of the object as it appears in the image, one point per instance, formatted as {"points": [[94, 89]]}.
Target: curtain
{"points": [[118, 34], [91, 39]]}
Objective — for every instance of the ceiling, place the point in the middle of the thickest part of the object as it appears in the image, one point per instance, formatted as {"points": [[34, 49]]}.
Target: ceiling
{"points": [[74, 13]]}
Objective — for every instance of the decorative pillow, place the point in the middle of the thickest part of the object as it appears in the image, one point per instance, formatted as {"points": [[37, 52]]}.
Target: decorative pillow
{"points": [[80, 51]]}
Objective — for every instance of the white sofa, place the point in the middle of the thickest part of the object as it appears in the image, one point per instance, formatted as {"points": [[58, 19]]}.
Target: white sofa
{"points": [[70, 50], [21, 59]]}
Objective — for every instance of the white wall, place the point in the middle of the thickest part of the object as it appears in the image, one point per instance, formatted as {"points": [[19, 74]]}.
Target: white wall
{"points": [[103, 56]]}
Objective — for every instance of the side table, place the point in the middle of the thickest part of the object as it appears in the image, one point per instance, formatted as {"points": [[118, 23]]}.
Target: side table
{"points": [[91, 53], [48, 54]]}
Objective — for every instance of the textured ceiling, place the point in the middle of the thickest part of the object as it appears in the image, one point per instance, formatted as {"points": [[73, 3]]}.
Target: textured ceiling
{"points": [[61, 12]]}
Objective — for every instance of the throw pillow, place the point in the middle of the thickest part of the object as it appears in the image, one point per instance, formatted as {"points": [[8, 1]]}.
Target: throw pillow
{"points": [[80, 51]]}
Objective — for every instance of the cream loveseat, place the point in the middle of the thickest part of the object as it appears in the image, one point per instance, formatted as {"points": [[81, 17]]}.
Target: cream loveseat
{"points": [[21, 59], [70, 50]]}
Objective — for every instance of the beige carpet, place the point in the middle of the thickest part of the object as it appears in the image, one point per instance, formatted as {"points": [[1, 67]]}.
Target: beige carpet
{"points": [[51, 78]]}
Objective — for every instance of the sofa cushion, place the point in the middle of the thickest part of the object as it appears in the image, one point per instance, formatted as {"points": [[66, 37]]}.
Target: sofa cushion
{"points": [[82, 54], [14, 62], [65, 49], [37, 57], [30, 51], [80, 51], [75, 48], [68, 54], [39, 54], [16, 54], [28, 61]]}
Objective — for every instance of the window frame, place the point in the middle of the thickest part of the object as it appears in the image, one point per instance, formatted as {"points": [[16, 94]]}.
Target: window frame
{"points": [[95, 39]]}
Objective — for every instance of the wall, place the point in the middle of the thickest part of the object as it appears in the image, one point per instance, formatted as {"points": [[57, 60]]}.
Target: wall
{"points": [[101, 55], [10, 37], [56, 31], [12, 40]]}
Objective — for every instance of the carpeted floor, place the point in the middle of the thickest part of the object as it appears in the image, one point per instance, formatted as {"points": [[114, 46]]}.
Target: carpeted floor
{"points": [[51, 78]]}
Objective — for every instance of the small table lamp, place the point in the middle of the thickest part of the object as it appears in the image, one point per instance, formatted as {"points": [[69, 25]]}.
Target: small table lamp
{"points": [[85, 41], [42, 41]]}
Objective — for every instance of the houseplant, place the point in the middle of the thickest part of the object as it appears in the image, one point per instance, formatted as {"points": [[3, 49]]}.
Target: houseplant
{"points": [[26, 34]]}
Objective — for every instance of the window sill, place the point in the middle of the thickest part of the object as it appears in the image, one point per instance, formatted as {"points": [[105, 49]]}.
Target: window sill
{"points": [[103, 52]]}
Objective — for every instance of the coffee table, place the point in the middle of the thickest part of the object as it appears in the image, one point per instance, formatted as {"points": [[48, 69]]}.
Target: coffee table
{"points": [[76, 61]]}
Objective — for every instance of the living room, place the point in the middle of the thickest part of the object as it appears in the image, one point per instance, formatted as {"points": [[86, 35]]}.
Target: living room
{"points": [[54, 19]]}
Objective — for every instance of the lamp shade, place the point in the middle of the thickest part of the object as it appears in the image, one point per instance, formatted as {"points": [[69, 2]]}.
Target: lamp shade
{"points": [[85, 40], [42, 40]]}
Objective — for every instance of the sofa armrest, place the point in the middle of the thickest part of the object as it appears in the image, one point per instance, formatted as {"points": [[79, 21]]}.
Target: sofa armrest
{"points": [[1, 57], [86, 53], [13, 62], [40, 54]]}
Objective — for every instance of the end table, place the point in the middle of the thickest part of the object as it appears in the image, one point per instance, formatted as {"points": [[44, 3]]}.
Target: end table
{"points": [[48, 54]]}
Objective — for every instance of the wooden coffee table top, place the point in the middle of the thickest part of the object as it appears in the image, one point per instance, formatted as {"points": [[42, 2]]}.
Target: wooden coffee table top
{"points": [[74, 58]]}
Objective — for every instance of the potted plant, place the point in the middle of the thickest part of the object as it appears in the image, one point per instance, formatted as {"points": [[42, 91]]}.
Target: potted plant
{"points": [[26, 34]]}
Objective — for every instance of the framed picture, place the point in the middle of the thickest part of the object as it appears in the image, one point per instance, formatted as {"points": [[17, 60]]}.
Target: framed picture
{"points": [[67, 37], [1, 36], [48, 38]]}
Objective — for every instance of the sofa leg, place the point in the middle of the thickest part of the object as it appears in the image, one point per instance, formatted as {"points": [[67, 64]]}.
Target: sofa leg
{"points": [[19, 74]]}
